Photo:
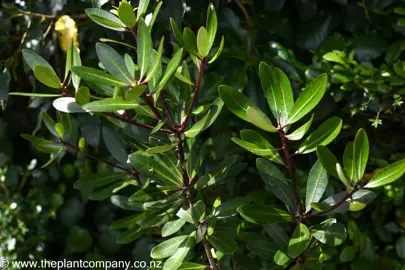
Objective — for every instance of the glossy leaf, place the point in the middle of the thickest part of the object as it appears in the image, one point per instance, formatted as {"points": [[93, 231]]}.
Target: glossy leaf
{"points": [[108, 105], [129, 236], [348, 161], [96, 76], [218, 52], [190, 41], [343, 176], [160, 149], [156, 62], [323, 135], [387, 175], [263, 248], [239, 105], [47, 76], [34, 94], [261, 213], [278, 92], [113, 62], [142, 7], [328, 160], [360, 198], [172, 227], [360, 154], [49, 123], [83, 95], [76, 62], [316, 185], [203, 42], [308, 99], [170, 69], [299, 241], [32, 59], [301, 131], [222, 241], [212, 25], [176, 260], [198, 211], [105, 19], [163, 167], [167, 248], [277, 233], [49, 147], [114, 145], [126, 14], [144, 49], [276, 182], [68, 105], [333, 234]]}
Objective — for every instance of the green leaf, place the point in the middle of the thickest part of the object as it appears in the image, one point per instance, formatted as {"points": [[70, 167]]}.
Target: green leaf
{"points": [[239, 105], [60, 130], [213, 112], [360, 154], [83, 95], [257, 144], [176, 260], [190, 41], [49, 123], [96, 76], [47, 76], [399, 10], [76, 62], [167, 248], [32, 59], [69, 60], [323, 135], [222, 241], [190, 265], [172, 227], [133, 93], [212, 25], [348, 161], [49, 147], [360, 198], [259, 119], [90, 182], [130, 65], [126, 14], [177, 32], [161, 166], [195, 129], [170, 70], [198, 211], [34, 94], [113, 62], [67, 105], [157, 61], [108, 105], [229, 207], [160, 149], [387, 175], [282, 257], [129, 236], [348, 254], [105, 19], [342, 176], [301, 131], [331, 234], [35, 140], [316, 184], [308, 99], [144, 42], [155, 14], [115, 145], [54, 156], [126, 222], [203, 42], [185, 215], [400, 247], [82, 144], [277, 233], [262, 213], [276, 183], [299, 241], [142, 7], [263, 248], [328, 160], [219, 51], [278, 92]]}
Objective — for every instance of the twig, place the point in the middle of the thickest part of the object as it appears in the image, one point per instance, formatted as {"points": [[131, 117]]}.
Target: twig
{"points": [[42, 16], [211, 259], [132, 172], [348, 195], [194, 100], [166, 109], [290, 166]]}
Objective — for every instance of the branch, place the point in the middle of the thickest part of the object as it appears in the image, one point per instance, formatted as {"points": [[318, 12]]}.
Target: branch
{"points": [[132, 172], [42, 16], [197, 87], [134, 123], [157, 114], [211, 259], [348, 195], [166, 109], [290, 166]]}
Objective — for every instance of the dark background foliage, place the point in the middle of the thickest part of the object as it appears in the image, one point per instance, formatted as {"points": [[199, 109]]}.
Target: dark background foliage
{"points": [[46, 218]]}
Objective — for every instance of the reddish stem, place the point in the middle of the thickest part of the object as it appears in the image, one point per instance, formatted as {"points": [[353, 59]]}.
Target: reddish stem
{"points": [[166, 109], [194, 100]]}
